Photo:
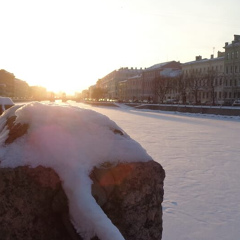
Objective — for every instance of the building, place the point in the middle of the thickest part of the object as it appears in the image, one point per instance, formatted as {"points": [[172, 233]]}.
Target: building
{"points": [[130, 90], [232, 70], [85, 94], [91, 91], [38, 93], [21, 89], [6, 83], [110, 85], [203, 79], [156, 81]]}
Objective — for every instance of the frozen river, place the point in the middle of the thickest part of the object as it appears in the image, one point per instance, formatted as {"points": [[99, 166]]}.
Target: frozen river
{"points": [[201, 157]]}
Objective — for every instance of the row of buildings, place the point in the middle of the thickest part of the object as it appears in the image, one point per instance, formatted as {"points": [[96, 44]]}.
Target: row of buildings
{"points": [[17, 89], [214, 80]]}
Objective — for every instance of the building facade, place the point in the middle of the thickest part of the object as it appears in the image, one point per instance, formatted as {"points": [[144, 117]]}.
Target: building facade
{"points": [[156, 81], [21, 89], [6, 83], [110, 82], [232, 70], [204, 80], [130, 90]]}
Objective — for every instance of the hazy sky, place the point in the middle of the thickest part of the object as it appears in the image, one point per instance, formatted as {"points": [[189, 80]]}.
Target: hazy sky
{"points": [[69, 44]]}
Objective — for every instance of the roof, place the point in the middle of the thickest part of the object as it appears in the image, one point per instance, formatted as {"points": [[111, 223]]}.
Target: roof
{"points": [[159, 65], [204, 60], [169, 72]]}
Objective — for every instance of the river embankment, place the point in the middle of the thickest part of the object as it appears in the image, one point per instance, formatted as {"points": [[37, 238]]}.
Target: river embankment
{"points": [[217, 110]]}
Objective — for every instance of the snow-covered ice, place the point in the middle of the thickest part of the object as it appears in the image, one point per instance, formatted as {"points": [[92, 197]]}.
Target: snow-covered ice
{"points": [[72, 141], [201, 157]]}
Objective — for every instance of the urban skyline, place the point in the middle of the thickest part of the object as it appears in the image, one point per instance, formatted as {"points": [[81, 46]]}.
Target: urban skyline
{"points": [[69, 45]]}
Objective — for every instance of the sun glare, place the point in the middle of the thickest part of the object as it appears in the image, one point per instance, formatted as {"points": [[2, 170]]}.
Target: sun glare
{"points": [[69, 46]]}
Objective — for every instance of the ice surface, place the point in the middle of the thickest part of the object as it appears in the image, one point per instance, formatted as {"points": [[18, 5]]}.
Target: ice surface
{"points": [[201, 157]]}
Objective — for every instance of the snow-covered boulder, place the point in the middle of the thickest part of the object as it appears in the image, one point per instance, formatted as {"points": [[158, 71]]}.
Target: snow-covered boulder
{"points": [[33, 205], [91, 155], [131, 195]]}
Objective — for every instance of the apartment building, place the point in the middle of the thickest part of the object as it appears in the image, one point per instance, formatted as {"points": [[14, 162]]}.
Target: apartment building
{"points": [[6, 83], [21, 89], [214, 80], [232, 70], [156, 81], [110, 83], [204, 79], [130, 89]]}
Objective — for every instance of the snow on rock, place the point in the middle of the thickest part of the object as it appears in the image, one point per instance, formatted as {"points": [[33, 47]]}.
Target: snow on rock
{"points": [[72, 141]]}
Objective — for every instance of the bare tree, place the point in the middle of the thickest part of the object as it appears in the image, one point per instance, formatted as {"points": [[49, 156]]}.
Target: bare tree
{"points": [[212, 82], [98, 93], [161, 85], [182, 87], [194, 84]]}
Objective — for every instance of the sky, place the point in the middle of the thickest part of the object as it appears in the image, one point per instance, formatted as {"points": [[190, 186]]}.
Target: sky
{"points": [[69, 45]]}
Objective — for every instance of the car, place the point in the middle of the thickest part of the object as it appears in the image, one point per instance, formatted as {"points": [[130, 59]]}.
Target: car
{"points": [[236, 102], [5, 103], [171, 101]]}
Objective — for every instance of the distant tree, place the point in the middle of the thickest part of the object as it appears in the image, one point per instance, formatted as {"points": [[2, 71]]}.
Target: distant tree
{"points": [[161, 85], [194, 84], [6, 83], [182, 88], [212, 83], [21, 89], [98, 93], [38, 93]]}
